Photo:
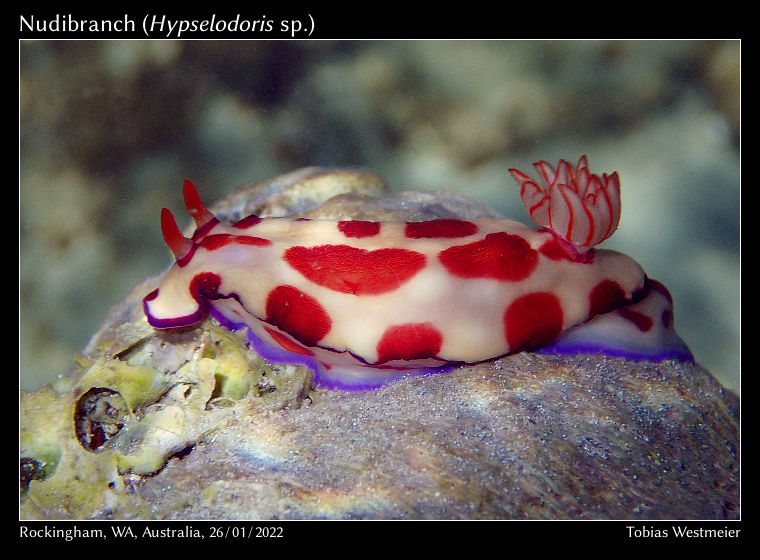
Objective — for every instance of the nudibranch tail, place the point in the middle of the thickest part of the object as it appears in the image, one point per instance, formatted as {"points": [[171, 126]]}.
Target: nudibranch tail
{"points": [[643, 330], [574, 204]]}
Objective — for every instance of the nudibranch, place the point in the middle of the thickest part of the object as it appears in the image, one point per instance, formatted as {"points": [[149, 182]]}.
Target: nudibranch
{"points": [[362, 303]]}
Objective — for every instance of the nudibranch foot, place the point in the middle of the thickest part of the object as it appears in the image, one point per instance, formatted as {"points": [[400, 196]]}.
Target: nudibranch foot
{"points": [[344, 374], [331, 369], [363, 303]]}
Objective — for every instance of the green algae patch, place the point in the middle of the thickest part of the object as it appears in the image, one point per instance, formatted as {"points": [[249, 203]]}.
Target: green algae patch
{"points": [[154, 439], [234, 375], [39, 444], [138, 385], [144, 446], [83, 486]]}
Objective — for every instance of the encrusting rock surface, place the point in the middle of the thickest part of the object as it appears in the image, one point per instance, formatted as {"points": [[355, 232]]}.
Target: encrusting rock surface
{"points": [[191, 424]]}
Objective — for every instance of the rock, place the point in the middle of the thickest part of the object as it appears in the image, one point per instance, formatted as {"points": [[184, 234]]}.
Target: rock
{"points": [[191, 424]]}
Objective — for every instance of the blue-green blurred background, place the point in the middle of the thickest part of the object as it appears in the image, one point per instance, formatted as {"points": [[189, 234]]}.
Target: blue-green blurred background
{"points": [[110, 129]]}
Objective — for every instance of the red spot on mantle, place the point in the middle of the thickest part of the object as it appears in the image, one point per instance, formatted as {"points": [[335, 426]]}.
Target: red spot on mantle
{"points": [[606, 296], [445, 228], [642, 322], [533, 320], [553, 250], [411, 341], [355, 271], [502, 256], [205, 285], [298, 314], [219, 240], [248, 221], [359, 228]]}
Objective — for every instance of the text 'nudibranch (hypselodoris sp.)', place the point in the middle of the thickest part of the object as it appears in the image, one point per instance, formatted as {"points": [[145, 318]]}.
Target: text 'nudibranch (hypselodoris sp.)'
{"points": [[362, 303]]}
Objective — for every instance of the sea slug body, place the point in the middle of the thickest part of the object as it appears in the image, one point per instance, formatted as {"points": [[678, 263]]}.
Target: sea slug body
{"points": [[362, 303]]}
